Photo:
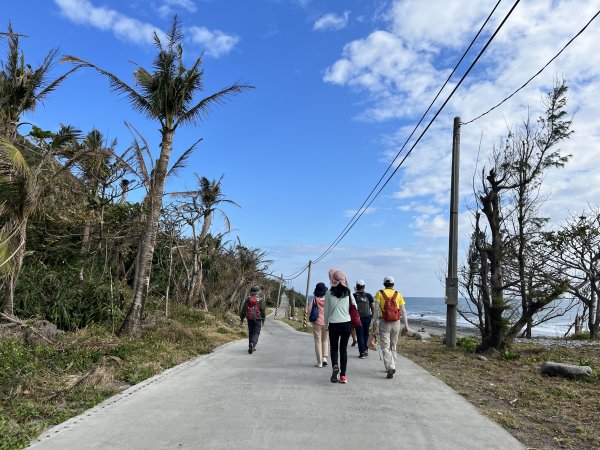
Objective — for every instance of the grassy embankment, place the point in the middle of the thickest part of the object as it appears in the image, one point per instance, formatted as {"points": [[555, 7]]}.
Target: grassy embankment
{"points": [[45, 384], [540, 411]]}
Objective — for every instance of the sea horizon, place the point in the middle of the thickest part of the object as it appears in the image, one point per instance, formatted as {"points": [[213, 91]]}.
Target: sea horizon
{"points": [[433, 309]]}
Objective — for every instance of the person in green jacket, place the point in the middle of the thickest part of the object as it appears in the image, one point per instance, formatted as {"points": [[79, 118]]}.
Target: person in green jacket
{"points": [[337, 321]]}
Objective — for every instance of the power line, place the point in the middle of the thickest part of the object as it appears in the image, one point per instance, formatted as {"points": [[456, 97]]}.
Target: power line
{"points": [[359, 213], [433, 118], [537, 73], [412, 132]]}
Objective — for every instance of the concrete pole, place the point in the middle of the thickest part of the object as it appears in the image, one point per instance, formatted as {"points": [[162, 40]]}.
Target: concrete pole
{"points": [[278, 295], [452, 278], [307, 291]]}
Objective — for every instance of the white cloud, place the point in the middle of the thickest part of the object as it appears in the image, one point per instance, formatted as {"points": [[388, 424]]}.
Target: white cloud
{"points": [[399, 67], [216, 42], [368, 211], [332, 21], [170, 7], [124, 27], [431, 227]]}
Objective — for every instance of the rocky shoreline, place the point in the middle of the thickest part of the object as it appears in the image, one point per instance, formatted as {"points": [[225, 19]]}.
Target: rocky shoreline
{"points": [[437, 329]]}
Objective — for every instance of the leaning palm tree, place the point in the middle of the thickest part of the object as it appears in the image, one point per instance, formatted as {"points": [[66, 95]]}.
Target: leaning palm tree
{"points": [[166, 94], [26, 171]]}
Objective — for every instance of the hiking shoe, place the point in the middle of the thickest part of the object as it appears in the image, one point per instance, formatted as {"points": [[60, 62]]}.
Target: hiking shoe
{"points": [[354, 343], [334, 374], [343, 379], [324, 363], [361, 356], [390, 373], [319, 365], [250, 348]]}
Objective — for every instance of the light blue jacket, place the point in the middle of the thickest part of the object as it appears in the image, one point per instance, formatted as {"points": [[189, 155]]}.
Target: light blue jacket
{"points": [[337, 310]]}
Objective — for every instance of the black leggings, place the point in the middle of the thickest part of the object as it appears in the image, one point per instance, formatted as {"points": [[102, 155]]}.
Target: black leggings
{"points": [[339, 333]]}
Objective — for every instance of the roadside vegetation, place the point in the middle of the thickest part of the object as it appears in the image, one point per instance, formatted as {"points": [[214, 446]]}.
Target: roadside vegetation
{"points": [[542, 412], [46, 383]]}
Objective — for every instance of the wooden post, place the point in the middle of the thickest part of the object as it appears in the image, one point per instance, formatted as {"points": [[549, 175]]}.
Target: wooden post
{"points": [[452, 279]]}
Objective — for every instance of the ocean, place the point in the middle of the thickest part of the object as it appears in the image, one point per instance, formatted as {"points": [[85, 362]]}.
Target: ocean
{"points": [[434, 310]]}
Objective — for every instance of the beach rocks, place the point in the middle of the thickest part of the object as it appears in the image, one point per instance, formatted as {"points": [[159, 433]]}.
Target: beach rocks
{"points": [[565, 370]]}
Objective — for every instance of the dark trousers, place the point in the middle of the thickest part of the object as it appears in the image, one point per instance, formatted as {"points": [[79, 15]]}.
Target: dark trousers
{"points": [[362, 334], [339, 333], [254, 330]]}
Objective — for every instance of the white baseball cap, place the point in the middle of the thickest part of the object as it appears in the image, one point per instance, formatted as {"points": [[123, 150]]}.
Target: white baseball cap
{"points": [[388, 279], [360, 282]]}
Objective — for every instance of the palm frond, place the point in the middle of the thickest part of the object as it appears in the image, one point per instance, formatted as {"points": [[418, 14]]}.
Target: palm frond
{"points": [[12, 158], [204, 106], [139, 152], [180, 163], [138, 102]]}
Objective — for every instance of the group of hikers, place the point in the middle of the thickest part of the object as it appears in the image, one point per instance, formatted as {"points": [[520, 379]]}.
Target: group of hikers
{"points": [[337, 314]]}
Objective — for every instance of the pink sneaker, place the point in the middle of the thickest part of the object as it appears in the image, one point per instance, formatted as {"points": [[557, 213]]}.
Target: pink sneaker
{"points": [[343, 379]]}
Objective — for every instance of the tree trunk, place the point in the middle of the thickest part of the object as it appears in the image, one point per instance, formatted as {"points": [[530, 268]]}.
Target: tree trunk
{"points": [[133, 322], [491, 209], [10, 282]]}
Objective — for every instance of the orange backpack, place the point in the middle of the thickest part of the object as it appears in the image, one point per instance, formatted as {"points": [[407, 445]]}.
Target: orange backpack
{"points": [[391, 312]]}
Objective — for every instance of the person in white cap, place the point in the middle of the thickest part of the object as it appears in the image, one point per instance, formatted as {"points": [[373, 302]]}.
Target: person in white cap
{"points": [[364, 302], [391, 312]]}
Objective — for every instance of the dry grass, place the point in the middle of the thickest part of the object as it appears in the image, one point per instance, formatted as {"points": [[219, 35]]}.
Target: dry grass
{"points": [[540, 411], [46, 384]]}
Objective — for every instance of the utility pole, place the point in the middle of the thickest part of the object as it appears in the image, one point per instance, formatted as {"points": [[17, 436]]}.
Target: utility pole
{"points": [[307, 291], [452, 278], [278, 295]]}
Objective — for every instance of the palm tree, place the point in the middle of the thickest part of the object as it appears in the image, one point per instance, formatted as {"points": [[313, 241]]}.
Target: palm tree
{"points": [[25, 172], [201, 205], [166, 94], [21, 87]]}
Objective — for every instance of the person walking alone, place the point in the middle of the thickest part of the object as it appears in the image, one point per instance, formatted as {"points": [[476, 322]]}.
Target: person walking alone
{"points": [[364, 302], [391, 312], [337, 321], [253, 310], [320, 333]]}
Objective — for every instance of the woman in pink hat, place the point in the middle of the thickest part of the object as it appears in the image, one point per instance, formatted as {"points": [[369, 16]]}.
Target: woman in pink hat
{"points": [[337, 321]]}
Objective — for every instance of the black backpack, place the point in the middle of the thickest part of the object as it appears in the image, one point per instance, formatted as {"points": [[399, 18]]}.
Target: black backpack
{"points": [[362, 303]]}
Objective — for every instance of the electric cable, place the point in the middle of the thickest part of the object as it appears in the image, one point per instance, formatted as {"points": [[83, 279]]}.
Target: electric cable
{"points": [[415, 127], [537, 73], [359, 213]]}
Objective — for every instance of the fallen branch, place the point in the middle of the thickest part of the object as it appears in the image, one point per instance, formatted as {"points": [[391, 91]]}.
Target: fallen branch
{"points": [[24, 325]]}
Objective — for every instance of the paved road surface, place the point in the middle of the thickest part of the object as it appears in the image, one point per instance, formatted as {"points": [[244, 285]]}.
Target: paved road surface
{"points": [[277, 398]]}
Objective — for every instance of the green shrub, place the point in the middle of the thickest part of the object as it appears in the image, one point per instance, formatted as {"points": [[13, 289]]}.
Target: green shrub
{"points": [[467, 343], [510, 355], [586, 362]]}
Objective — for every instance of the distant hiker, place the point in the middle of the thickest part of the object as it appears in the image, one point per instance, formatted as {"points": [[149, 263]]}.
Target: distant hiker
{"points": [[391, 311], [364, 302], [320, 333], [253, 310], [337, 321]]}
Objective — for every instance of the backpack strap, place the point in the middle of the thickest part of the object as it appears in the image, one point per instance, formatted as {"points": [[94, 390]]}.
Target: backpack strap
{"points": [[395, 296], [385, 297]]}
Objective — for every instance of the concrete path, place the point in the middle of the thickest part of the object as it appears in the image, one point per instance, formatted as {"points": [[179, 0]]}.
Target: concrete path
{"points": [[277, 398]]}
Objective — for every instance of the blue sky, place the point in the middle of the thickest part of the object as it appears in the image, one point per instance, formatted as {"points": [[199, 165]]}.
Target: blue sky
{"points": [[339, 85]]}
